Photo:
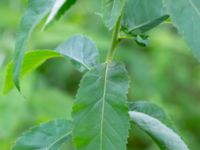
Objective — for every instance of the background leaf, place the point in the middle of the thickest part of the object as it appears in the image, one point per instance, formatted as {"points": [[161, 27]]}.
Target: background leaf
{"points": [[100, 111], [180, 11], [36, 11], [111, 10], [48, 136], [31, 61], [59, 8], [81, 50], [154, 122], [143, 15]]}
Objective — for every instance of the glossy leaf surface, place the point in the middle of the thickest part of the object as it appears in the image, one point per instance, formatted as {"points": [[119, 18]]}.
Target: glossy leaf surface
{"points": [[100, 112], [47, 136]]}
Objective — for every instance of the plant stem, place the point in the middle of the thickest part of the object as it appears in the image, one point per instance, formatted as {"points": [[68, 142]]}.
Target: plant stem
{"points": [[115, 41]]}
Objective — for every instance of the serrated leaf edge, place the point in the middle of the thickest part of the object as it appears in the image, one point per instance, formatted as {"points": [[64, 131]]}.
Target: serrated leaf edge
{"points": [[38, 126]]}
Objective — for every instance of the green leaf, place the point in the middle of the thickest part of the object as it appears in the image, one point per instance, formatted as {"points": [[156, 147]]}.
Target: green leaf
{"points": [[142, 15], [36, 11], [81, 50], [180, 11], [111, 11], [154, 122], [100, 112], [48, 136], [153, 111], [32, 60], [142, 40], [59, 8]]}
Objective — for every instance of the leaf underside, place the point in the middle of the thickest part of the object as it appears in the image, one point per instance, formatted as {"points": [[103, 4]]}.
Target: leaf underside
{"points": [[153, 111], [47, 136], [100, 110], [153, 120]]}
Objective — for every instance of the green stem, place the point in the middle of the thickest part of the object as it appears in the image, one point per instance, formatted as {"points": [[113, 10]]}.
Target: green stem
{"points": [[115, 41]]}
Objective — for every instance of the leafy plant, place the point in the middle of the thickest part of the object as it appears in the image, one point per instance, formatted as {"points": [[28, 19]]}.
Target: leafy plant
{"points": [[101, 115]]}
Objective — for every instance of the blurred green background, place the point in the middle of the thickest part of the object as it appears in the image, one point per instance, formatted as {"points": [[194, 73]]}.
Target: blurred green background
{"points": [[165, 73]]}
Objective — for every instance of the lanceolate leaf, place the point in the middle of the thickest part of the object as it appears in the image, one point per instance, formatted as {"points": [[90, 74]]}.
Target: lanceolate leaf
{"points": [[48, 136], [59, 8], [100, 111], [31, 61], [186, 17], [81, 50], [111, 10], [36, 11], [153, 111], [143, 15], [156, 123]]}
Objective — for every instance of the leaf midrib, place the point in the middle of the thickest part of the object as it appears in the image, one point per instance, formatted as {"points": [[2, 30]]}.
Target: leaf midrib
{"points": [[56, 141], [103, 105]]}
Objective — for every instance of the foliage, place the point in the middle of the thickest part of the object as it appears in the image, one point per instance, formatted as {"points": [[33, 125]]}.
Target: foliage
{"points": [[153, 120], [96, 79], [47, 136], [92, 112]]}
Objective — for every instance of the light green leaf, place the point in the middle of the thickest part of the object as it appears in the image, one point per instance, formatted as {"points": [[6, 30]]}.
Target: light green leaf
{"points": [[153, 111], [111, 11], [32, 60], [100, 112], [59, 8], [155, 122], [47, 136], [36, 11], [82, 52], [79, 49], [143, 15], [180, 12]]}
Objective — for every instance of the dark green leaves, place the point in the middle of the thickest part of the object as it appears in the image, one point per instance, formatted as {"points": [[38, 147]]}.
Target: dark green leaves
{"points": [[142, 15], [111, 10], [81, 50], [36, 11], [100, 111], [48, 136], [154, 121], [186, 17]]}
